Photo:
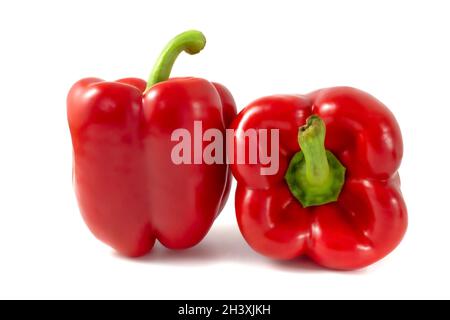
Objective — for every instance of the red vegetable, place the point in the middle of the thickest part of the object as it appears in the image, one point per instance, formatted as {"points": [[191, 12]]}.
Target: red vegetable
{"points": [[337, 200], [129, 190]]}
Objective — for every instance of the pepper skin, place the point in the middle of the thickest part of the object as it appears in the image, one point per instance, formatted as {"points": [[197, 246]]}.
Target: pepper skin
{"points": [[129, 191], [368, 218]]}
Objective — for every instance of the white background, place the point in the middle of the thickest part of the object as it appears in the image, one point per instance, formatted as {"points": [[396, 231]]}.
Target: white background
{"points": [[397, 50]]}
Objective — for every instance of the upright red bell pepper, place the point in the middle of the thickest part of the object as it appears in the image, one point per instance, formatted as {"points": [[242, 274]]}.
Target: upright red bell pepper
{"points": [[336, 196], [129, 191]]}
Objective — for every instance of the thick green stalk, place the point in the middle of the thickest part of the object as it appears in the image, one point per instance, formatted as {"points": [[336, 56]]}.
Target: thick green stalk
{"points": [[191, 41], [314, 176], [311, 139]]}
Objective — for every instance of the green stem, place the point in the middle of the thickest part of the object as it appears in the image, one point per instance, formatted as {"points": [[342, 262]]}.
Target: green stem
{"points": [[191, 41], [314, 176], [311, 138]]}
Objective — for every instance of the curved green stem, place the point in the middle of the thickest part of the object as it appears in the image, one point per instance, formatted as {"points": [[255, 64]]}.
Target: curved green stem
{"points": [[191, 41]]}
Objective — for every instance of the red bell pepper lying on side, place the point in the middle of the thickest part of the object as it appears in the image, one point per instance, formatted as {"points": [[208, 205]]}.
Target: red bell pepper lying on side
{"points": [[129, 190], [337, 200]]}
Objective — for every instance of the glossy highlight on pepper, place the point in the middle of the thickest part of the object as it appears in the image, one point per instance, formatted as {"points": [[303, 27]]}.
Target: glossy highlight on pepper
{"points": [[129, 191]]}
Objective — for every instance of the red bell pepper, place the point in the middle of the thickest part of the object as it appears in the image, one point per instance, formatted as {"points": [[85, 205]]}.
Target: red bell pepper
{"points": [[129, 191], [336, 197]]}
